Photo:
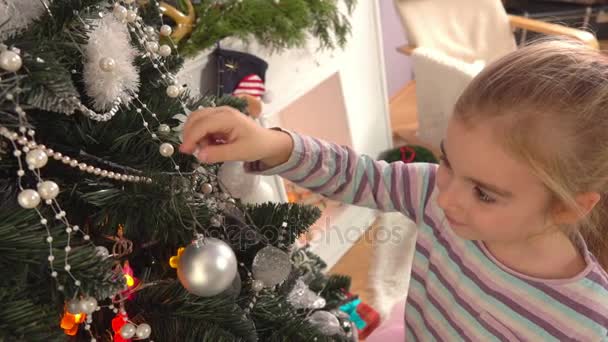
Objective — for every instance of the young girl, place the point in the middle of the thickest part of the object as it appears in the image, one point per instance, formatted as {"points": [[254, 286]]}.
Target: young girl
{"points": [[513, 237]]}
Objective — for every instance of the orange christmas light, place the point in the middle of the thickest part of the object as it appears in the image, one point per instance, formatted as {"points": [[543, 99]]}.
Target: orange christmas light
{"points": [[174, 260], [70, 322]]}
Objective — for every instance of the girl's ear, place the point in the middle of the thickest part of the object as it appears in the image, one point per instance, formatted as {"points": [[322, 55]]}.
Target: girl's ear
{"points": [[585, 201]]}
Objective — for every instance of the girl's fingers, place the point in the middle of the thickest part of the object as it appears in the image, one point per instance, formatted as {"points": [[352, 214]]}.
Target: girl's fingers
{"points": [[206, 128]]}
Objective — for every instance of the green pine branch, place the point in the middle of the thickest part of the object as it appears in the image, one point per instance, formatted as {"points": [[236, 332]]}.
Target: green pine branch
{"points": [[279, 26]]}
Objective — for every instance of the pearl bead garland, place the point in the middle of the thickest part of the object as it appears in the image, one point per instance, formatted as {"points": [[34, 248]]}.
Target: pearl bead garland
{"points": [[10, 61], [173, 91], [34, 158], [165, 30]]}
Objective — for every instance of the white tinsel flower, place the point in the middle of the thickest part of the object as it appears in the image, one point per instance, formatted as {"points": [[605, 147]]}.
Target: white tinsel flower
{"points": [[16, 15], [110, 38]]}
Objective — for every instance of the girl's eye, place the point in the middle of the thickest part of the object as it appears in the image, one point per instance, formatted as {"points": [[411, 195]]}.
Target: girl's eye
{"points": [[482, 196], [444, 161]]}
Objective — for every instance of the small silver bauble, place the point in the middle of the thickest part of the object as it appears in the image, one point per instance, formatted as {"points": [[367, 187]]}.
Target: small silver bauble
{"points": [[152, 46], [88, 305], [164, 129], [207, 267], [36, 158], [143, 331], [120, 12], [173, 91], [73, 306], [48, 190], [107, 64], [166, 150], [10, 61], [271, 265], [127, 331], [28, 199], [206, 188], [165, 30], [164, 50]]}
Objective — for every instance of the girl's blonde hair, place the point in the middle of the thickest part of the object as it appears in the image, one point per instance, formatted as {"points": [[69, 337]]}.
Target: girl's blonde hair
{"points": [[551, 99]]}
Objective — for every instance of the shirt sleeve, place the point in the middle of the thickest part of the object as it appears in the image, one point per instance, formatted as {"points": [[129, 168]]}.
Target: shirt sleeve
{"points": [[339, 173]]}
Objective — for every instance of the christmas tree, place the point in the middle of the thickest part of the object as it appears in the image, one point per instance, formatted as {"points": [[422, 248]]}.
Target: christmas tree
{"points": [[107, 232]]}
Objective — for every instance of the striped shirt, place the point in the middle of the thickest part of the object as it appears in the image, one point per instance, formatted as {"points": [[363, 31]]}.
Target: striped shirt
{"points": [[458, 290]]}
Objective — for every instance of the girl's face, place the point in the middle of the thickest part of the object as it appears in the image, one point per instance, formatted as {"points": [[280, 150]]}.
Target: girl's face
{"points": [[485, 193]]}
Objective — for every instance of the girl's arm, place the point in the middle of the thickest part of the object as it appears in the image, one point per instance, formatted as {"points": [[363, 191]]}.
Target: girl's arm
{"points": [[341, 174]]}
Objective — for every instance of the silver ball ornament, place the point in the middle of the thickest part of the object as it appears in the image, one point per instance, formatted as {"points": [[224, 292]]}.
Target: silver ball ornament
{"points": [[28, 199], [48, 190], [36, 158], [143, 331], [107, 64], [271, 265], [120, 12], [10, 61], [88, 305], [166, 30], [207, 267], [173, 91], [235, 181], [164, 50], [164, 129], [73, 306], [166, 150], [325, 322], [128, 331]]}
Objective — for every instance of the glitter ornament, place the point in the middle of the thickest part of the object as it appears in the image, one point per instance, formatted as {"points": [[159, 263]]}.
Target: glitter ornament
{"points": [[271, 265], [302, 297]]}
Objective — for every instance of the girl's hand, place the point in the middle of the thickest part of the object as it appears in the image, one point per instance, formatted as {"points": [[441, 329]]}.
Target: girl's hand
{"points": [[222, 134]]}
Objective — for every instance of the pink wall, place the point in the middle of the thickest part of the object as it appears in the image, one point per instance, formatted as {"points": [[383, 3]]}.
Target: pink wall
{"points": [[320, 113], [398, 67]]}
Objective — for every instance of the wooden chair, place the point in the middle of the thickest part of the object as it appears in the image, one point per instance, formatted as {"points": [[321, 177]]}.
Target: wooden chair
{"points": [[470, 30]]}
